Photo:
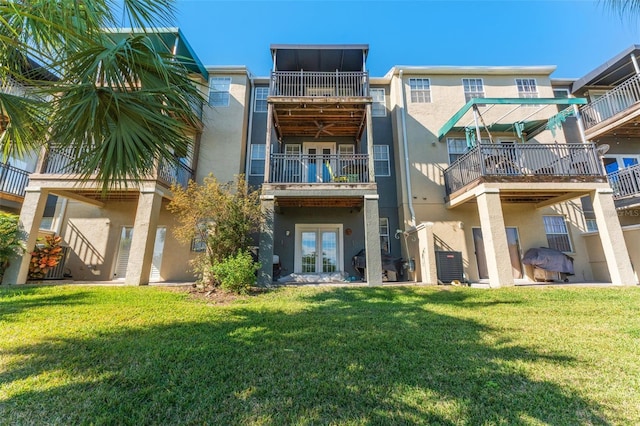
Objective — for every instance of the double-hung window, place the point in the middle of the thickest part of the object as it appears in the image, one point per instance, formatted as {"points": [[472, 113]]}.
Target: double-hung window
{"points": [[527, 87], [261, 99], [384, 234], [557, 233], [258, 155], [420, 90], [219, 91], [381, 160], [473, 88], [456, 148], [379, 107]]}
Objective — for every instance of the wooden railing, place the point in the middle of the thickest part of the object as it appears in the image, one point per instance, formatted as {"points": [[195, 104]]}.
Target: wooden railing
{"points": [[611, 103], [319, 84], [571, 159], [625, 182], [60, 161], [13, 180], [319, 168]]}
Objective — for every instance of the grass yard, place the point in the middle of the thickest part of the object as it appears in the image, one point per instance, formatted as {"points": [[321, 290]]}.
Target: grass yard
{"points": [[354, 356]]}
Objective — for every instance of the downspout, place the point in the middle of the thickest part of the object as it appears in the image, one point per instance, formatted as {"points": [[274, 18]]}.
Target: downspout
{"points": [[405, 146], [247, 156]]}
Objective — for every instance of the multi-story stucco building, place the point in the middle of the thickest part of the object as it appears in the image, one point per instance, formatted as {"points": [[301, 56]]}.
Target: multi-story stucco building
{"points": [[459, 170]]}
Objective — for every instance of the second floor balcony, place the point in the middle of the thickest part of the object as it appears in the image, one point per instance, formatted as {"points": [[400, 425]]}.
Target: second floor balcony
{"points": [[530, 163], [317, 170], [13, 181], [625, 182]]}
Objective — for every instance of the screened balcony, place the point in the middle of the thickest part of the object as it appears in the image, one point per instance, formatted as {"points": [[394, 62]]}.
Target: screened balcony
{"points": [[13, 180], [527, 162]]}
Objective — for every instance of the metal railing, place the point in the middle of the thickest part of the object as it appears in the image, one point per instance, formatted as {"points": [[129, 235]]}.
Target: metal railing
{"points": [[319, 84], [61, 161], [13, 180], [571, 159], [625, 182], [611, 103], [321, 168]]}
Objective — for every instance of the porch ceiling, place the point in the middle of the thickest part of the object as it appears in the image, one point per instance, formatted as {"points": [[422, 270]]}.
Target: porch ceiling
{"points": [[319, 202], [320, 117]]}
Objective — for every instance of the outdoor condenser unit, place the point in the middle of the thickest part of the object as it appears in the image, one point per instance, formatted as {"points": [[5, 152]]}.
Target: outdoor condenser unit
{"points": [[57, 273], [449, 266]]}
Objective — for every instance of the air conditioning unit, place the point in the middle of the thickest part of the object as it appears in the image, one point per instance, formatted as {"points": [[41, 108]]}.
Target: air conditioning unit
{"points": [[57, 273], [449, 266]]}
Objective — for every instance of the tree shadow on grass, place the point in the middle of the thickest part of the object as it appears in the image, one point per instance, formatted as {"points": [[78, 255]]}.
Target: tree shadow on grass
{"points": [[14, 300], [349, 356]]}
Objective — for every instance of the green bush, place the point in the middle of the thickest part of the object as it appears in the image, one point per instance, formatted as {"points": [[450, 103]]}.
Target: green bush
{"points": [[11, 245], [236, 273]]}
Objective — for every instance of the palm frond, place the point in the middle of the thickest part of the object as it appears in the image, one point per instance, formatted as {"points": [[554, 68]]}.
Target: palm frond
{"points": [[23, 124]]}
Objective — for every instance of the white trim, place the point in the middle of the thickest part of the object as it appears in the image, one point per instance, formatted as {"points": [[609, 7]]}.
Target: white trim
{"points": [[383, 111], [300, 227], [228, 81], [524, 94], [252, 158], [256, 98], [473, 93], [387, 160], [421, 91]]}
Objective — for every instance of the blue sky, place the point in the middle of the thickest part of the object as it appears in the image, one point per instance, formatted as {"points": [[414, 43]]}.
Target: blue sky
{"points": [[577, 36]]}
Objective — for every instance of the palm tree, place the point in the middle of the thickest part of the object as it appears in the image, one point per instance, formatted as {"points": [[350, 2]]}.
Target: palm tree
{"points": [[117, 104], [625, 8]]}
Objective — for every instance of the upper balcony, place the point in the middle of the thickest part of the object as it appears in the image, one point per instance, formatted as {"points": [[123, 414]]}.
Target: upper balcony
{"points": [[13, 181], [625, 183]]}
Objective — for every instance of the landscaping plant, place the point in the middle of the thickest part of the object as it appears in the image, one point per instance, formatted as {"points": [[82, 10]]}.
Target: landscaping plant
{"points": [[46, 255], [11, 245], [236, 273], [220, 219]]}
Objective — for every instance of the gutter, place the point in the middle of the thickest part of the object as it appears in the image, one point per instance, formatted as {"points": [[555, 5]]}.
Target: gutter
{"points": [[406, 151], [247, 156]]}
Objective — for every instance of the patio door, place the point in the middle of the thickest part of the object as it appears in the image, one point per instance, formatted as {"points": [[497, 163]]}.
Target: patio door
{"points": [[124, 250], [318, 164], [513, 242], [318, 249]]}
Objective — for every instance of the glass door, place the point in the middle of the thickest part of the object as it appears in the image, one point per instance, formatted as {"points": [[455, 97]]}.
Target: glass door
{"points": [[513, 241], [319, 249], [319, 156]]}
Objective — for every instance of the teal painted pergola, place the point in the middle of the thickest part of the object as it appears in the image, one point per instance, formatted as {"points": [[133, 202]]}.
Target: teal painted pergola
{"points": [[521, 126]]}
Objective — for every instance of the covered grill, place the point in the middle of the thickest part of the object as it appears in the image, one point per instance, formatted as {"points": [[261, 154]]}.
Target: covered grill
{"points": [[392, 267], [549, 260]]}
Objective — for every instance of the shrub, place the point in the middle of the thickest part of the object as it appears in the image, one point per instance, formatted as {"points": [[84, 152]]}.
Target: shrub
{"points": [[236, 273], [45, 256], [11, 244]]}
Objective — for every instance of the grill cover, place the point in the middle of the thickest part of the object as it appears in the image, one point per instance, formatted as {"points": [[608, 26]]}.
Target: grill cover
{"points": [[549, 260]]}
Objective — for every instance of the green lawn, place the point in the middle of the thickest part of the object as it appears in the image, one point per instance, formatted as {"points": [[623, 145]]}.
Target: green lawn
{"points": [[393, 355]]}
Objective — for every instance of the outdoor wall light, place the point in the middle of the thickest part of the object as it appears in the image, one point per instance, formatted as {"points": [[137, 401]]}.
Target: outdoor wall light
{"points": [[287, 233]]}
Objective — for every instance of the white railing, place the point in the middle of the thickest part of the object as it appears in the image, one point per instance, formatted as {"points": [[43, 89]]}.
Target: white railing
{"points": [[321, 168], [611, 103], [570, 159], [625, 182], [319, 84], [13, 180]]}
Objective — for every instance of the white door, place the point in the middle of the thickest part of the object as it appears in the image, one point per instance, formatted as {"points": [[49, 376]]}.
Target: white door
{"points": [[318, 161], [318, 249], [124, 250]]}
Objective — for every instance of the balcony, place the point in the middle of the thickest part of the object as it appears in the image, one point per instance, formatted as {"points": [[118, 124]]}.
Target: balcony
{"points": [[319, 103], [617, 110], [524, 163], [61, 162], [322, 169], [625, 182], [13, 181]]}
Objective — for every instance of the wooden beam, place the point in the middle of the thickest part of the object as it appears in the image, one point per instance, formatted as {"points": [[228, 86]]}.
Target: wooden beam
{"points": [[78, 197]]}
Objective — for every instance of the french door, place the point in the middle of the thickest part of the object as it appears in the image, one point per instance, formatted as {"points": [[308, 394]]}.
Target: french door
{"points": [[318, 158], [318, 249], [513, 242]]}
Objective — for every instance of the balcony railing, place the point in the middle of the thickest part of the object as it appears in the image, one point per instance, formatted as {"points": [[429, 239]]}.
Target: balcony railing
{"points": [[60, 161], [509, 160], [319, 84], [334, 169], [625, 182], [611, 103], [13, 180]]}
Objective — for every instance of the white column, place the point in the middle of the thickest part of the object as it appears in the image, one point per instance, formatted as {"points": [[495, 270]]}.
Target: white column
{"points": [[427, 253], [494, 236], [265, 255], [372, 174], [372, 240], [612, 238], [33, 205], [144, 237]]}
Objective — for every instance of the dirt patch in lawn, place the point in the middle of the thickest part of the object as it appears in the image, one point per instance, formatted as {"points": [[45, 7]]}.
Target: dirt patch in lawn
{"points": [[214, 296]]}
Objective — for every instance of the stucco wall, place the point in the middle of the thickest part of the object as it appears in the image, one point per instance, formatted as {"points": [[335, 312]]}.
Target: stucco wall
{"points": [[596, 254]]}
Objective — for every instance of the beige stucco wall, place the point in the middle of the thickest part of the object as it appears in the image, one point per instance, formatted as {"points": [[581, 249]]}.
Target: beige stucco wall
{"points": [[223, 142], [596, 254], [94, 234]]}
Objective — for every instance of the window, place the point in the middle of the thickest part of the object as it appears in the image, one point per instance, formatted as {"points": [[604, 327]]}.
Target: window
{"points": [[257, 159], [473, 88], [420, 90], [384, 234], [53, 212], [561, 93], [346, 150], [557, 233], [381, 160], [219, 91], [261, 99], [527, 87], [457, 148], [379, 107]]}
